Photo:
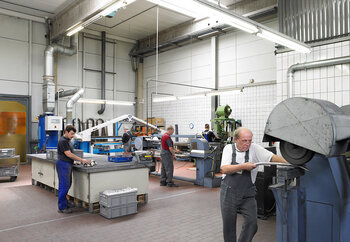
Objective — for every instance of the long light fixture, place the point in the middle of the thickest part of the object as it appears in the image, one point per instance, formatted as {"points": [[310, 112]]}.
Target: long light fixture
{"points": [[283, 40], [180, 6], [213, 10], [197, 95], [164, 99], [191, 96], [75, 30], [222, 92], [101, 101], [113, 7]]}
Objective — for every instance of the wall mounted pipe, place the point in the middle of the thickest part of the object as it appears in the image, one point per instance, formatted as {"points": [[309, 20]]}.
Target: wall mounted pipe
{"points": [[310, 65], [49, 86], [70, 103], [103, 71]]}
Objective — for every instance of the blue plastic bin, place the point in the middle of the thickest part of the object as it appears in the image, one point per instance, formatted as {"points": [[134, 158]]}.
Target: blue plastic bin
{"points": [[119, 158]]}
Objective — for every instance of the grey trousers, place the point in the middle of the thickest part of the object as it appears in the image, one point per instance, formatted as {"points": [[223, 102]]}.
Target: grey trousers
{"points": [[230, 201], [166, 175]]}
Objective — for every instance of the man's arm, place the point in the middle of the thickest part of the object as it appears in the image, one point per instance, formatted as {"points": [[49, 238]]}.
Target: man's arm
{"points": [[172, 150], [277, 158], [229, 169], [75, 157]]}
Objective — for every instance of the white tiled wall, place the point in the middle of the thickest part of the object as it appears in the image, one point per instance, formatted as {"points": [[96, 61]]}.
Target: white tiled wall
{"points": [[241, 57], [327, 83]]}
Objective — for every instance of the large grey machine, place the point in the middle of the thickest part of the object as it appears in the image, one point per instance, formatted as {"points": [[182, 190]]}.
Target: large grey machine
{"points": [[205, 164], [312, 205]]}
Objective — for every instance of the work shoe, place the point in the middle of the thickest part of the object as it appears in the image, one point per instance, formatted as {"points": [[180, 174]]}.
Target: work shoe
{"points": [[67, 210], [71, 204], [172, 185], [162, 184]]}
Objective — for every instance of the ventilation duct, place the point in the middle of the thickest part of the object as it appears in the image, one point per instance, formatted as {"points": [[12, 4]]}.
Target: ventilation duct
{"points": [[48, 78], [70, 103]]}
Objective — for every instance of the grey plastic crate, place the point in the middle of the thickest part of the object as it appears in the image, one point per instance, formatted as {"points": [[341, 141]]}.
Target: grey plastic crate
{"points": [[118, 211], [112, 198], [8, 171], [7, 152]]}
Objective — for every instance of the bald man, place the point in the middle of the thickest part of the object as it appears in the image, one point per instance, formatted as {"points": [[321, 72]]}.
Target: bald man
{"points": [[237, 187]]}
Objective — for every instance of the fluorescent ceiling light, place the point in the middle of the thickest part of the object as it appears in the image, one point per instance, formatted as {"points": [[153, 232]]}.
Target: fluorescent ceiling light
{"points": [[222, 92], [164, 99], [181, 6], [191, 96], [115, 6], [228, 17], [101, 101], [92, 20], [284, 40], [75, 30], [217, 2], [210, 8]]}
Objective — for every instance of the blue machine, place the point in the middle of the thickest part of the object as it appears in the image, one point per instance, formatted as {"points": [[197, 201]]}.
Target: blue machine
{"points": [[205, 166], [315, 205], [49, 126]]}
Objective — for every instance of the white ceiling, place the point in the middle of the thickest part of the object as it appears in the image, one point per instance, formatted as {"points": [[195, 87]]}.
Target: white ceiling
{"points": [[137, 21], [38, 8]]}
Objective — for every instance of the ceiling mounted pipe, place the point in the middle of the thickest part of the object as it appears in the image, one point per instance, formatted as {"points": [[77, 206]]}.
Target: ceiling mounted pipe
{"points": [[103, 72], [70, 103], [49, 85]]}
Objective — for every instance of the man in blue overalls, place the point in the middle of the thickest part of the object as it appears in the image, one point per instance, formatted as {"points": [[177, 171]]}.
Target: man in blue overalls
{"points": [[64, 166], [237, 186]]}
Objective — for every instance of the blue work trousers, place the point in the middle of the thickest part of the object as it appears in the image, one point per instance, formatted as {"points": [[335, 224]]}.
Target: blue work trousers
{"points": [[64, 171]]}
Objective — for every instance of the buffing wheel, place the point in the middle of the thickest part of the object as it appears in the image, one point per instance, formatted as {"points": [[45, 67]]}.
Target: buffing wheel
{"points": [[295, 154]]}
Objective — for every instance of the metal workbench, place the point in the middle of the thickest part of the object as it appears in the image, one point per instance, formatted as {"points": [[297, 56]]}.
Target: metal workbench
{"points": [[88, 182]]}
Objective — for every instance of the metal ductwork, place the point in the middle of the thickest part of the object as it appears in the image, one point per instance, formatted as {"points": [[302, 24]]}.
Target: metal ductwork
{"points": [[66, 93], [103, 72], [310, 65], [49, 85], [70, 103], [305, 126]]}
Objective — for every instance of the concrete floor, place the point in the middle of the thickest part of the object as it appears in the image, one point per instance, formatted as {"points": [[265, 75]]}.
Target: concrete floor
{"points": [[187, 213]]}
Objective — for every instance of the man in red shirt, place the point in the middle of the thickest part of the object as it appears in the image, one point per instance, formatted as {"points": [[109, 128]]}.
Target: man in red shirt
{"points": [[167, 155]]}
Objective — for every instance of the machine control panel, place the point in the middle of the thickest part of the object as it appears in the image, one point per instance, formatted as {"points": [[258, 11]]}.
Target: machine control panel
{"points": [[53, 123]]}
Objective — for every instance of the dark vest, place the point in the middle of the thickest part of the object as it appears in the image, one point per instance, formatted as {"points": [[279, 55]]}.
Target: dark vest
{"points": [[240, 183]]}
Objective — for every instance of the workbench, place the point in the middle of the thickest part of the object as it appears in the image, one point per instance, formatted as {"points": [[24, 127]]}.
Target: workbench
{"points": [[88, 182]]}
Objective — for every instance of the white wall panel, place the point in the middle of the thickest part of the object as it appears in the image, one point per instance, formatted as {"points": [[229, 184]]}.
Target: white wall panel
{"points": [[13, 28], [37, 107], [68, 71], [13, 60], [39, 32], [13, 87], [38, 63], [125, 76], [123, 50]]}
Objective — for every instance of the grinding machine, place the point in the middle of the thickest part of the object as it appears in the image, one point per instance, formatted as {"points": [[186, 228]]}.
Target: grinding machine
{"points": [[311, 205]]}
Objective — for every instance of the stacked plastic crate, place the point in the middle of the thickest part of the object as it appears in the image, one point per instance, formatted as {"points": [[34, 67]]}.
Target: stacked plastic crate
{"points": [[116, 203]]}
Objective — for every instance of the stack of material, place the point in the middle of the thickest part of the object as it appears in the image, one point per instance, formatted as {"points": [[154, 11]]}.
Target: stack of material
{"points": [[116, 203]]}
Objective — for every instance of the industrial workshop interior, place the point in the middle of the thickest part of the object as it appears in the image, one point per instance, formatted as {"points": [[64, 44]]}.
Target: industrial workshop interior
{"points": [[175, 120]]}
